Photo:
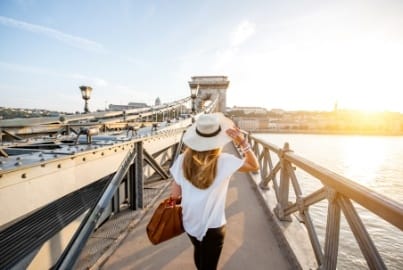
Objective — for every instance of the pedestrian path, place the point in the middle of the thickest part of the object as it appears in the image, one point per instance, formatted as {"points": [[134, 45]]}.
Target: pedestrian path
{"points": [[250, 242]]}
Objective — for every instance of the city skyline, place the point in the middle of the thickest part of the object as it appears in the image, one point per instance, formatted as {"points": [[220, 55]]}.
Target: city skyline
{"points": [[292, 55]]}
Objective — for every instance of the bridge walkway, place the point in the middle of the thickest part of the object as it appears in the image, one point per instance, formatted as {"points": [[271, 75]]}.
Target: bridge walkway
{"points": [[250, 240]]}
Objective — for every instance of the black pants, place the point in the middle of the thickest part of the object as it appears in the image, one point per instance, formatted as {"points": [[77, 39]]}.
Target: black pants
{"points": [[207, 252]]}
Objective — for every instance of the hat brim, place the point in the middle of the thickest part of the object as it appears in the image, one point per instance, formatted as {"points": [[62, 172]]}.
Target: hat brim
{"points": [[199, 143]]}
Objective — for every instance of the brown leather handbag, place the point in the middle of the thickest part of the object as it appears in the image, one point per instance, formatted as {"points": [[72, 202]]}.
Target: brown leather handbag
{"points": [[166, 222]]}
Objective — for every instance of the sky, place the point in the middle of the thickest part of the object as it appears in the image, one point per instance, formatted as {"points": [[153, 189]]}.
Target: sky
{"points": [[289, 54]]}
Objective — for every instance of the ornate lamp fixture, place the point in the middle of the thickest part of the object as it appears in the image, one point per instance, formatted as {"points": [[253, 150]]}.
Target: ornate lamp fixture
{"points": [[86, 94]]}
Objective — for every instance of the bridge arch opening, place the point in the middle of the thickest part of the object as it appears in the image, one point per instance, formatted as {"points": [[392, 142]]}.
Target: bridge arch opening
{"points": [[211, 88]]}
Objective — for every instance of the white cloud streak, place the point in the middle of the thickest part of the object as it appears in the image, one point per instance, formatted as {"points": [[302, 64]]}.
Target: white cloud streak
{"points": [[71, 40], [242, 33], [93, 81], [122, 93]]}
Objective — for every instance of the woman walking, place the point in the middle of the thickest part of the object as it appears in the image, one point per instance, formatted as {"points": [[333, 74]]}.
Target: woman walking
{"points": [[201, 178]]}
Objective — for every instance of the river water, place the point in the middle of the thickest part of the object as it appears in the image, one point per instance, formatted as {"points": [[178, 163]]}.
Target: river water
{"points": [[373, 161]]}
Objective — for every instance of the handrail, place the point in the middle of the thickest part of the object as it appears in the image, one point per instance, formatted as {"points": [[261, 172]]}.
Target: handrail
{"points": [[383, 206], [339, 191], [379, 204]]}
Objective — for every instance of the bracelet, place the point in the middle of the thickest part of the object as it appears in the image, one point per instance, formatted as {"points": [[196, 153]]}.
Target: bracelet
{"points": [[246, 148], [243, 142]]}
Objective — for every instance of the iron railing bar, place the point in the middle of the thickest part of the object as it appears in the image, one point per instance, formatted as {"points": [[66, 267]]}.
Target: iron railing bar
{"points": [[307, 201], [261, 158], [294, 180], [368, 249], [332, 234], [138, 176], [276, 185], [272, 174], [264, 172], [284, 188], [154, 164], [313, 236], [12, 135], [70, 255], [315, 197], [177, 150], [311, 199]]}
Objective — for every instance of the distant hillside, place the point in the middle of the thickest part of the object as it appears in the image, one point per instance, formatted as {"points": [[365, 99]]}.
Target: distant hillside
{"points": [[10, 113]]}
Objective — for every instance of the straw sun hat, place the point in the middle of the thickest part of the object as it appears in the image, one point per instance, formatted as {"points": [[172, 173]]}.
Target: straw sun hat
{"points": [[208, 132]]}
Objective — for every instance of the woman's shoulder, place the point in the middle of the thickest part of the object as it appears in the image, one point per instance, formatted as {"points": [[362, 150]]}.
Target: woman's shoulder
{"points": [[229, 157], [229, 163]]}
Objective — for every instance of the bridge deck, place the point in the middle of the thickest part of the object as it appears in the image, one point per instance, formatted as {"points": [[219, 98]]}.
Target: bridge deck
{"points": [[250, 242]]}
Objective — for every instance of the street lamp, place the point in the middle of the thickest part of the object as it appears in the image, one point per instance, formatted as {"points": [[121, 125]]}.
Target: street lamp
{"points": [[86, 94], [193, 94]]}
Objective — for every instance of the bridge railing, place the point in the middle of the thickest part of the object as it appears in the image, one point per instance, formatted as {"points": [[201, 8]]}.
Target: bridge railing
{"points": [[340, 193], [131, 174], [143, 170]]}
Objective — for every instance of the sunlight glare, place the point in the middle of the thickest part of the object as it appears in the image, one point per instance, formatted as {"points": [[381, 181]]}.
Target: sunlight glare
{"points": [[363, 159]]}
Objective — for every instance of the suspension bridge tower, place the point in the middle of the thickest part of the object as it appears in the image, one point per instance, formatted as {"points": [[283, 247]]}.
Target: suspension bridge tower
{"points": [[210, 89]]}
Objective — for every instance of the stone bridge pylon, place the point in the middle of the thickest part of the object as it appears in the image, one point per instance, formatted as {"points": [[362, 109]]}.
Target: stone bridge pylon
{"points": [[211, 88]]}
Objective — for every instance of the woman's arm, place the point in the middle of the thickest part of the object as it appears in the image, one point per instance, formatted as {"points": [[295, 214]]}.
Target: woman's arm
{"points": [[250, 161], [176, 191]]}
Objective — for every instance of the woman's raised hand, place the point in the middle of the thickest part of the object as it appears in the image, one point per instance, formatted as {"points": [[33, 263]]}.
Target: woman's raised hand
{"points": [[237, 136]]}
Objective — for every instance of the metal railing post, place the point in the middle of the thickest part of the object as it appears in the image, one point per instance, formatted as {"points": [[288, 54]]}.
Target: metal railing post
{"points": [[131, 189], [332, 232], [368, 248], [138, 176], [284, 186]]}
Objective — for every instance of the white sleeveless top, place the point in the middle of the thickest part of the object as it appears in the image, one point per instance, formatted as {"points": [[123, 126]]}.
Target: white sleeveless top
{"points": [[205, 208]]}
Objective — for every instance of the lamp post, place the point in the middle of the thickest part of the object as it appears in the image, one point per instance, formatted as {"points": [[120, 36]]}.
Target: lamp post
{"points": [[193, 94], [86, 94]]}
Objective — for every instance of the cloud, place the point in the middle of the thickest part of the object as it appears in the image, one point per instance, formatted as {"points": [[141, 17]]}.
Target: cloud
{"points": [[238, 36], [122, 93], [242, 32], [71, 40], [28, 69], [93, 81]]}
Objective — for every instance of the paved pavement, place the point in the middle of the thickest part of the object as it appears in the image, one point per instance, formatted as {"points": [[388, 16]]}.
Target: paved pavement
{"points": [[249, 244]]}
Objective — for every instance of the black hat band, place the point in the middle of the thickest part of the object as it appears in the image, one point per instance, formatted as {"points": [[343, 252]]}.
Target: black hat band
{"points": [[209, 134]]}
